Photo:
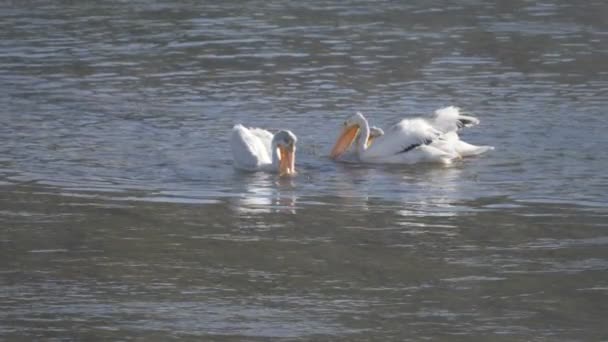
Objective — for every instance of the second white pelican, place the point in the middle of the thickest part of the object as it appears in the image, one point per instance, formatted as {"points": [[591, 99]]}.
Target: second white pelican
{"points": [[410, 140], [256, 149]]}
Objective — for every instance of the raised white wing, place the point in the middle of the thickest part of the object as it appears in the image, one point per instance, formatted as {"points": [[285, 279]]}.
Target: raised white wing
{"points": [[249, 151], [402, 137], [449, 119]]}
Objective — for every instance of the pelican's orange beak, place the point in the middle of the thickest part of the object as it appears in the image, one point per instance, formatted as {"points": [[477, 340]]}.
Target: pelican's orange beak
{"points": [[287, 164], [344, 141]]}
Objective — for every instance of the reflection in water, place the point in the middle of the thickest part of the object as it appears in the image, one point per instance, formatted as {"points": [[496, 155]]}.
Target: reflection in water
{"points": [[265, 193], [426, 188]]}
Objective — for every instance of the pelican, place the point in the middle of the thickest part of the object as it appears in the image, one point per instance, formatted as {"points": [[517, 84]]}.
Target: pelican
{"points": [[414, 140], [256, 149]]}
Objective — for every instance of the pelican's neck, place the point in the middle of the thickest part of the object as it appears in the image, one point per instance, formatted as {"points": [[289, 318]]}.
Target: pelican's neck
{"points": [[275, 154], [363, 135]]}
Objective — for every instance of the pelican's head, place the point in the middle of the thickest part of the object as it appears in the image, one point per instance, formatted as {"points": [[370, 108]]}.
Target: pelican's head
{"points": [[285, 142], [350, 130], [374, 132]]}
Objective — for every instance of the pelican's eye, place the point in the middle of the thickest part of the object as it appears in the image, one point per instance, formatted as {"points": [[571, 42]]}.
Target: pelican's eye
{"points": [[345, 123]]}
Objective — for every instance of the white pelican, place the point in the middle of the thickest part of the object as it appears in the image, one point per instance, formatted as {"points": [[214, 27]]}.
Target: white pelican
{"points": [[410, 140], [255, 149]]}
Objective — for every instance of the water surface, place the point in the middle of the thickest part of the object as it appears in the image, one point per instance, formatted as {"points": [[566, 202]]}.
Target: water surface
{"points": [[122, 218]]}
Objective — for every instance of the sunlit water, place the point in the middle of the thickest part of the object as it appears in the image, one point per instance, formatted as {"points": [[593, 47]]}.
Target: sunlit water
{"points": [[121, 216]]}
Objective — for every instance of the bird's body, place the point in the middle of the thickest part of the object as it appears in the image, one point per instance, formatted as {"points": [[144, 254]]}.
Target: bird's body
{"points": [[255, 149], [410, 141]]}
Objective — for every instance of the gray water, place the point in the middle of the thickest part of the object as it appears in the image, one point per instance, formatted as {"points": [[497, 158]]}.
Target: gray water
{"points": [[121, 217]]}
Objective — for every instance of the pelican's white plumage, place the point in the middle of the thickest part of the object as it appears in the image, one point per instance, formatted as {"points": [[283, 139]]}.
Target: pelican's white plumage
{"points": [[433, 139], [256, 149]]}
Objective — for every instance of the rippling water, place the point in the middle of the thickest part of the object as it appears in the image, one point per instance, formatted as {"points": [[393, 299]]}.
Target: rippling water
{"points": [[122, 218]]}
